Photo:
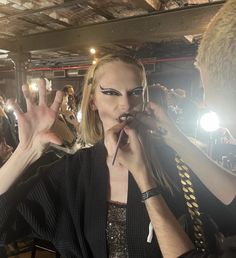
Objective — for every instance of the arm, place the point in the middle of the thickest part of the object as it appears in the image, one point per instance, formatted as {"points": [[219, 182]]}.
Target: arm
{"points": [[32, 204], [221, 182], [15, 166], [171, 237], [34, 135], [173, 241]]}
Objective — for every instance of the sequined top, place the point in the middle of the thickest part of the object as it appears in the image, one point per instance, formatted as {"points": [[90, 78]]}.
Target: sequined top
{"points": [[116, 230]]}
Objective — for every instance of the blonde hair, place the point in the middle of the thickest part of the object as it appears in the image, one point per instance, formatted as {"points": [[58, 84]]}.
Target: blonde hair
{"points": [[91, 128], [217, 51]]}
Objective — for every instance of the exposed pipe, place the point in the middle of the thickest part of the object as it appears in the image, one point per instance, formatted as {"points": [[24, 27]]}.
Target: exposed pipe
{"points": [[86, 66]]}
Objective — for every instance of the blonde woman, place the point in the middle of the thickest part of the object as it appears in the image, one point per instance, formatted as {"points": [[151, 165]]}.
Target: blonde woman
{"points": [[89, 204]]}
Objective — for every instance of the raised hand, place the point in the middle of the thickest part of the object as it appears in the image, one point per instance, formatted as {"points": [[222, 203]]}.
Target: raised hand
{"points": [[130, 152], [35, 124], [130, 155], [156, 117]]}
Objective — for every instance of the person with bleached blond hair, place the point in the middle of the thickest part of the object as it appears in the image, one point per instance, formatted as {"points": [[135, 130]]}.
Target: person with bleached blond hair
{"points": [[216, 61]]}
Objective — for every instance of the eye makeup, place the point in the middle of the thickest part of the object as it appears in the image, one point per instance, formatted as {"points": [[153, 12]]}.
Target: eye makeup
{"points": [[138, 91], [110, 91]]}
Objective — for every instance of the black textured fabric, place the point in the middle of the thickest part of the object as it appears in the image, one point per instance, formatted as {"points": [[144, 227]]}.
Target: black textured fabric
{"points": [[66, 204]]}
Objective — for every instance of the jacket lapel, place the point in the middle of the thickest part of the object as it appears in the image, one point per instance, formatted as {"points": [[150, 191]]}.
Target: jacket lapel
{"points": [[96, 202]]}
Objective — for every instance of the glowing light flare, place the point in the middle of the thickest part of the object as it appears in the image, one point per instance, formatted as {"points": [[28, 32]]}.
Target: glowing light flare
{"points": [[79, 116], [92, 51], [9, 107], [209, 122], [34, 87]]}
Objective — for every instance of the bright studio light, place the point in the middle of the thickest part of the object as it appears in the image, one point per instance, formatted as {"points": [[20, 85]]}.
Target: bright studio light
{"points": [[9, 107], [79, 116], [209, 122], [34, 86], [92, 50], [14, 113]]}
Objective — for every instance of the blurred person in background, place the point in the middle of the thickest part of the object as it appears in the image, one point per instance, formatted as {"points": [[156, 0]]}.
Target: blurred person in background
{"points": [[7, 124]]}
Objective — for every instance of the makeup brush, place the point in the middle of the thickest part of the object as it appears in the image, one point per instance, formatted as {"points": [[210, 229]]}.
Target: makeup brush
{"points": [[117, 146]]}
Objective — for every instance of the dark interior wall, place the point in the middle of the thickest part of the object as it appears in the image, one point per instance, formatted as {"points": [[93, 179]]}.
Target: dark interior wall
{"points": [[190, 82], [178, 74]]}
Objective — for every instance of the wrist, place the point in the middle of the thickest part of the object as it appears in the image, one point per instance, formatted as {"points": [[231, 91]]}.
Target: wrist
{"points": [[150, 193], [16, 164], [29, 153], [145, 180]]}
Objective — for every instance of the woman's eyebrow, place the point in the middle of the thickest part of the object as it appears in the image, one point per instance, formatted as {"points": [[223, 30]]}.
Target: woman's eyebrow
{"points": [[137, 88], [108, 89], [130, 91]]}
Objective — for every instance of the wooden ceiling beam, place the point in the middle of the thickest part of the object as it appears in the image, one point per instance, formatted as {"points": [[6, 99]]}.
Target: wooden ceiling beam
{"points": [[153, 27]]}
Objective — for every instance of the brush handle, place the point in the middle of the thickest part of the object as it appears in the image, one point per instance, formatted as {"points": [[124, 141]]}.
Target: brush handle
{"points": [[117, 146]]}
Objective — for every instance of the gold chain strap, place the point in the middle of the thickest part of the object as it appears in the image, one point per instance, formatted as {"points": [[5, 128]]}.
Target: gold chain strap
{"points": [[192, 205]]}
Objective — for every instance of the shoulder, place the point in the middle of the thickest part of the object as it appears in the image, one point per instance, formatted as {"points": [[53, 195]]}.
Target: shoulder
{"points": [[49, 166], [71, 162]]}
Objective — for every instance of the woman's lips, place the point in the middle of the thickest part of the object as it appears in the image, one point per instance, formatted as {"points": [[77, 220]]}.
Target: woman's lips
{"points": [[126, 117]]}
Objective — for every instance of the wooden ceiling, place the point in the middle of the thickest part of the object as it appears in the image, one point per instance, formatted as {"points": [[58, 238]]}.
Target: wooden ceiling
{"points": [[61, 32]]}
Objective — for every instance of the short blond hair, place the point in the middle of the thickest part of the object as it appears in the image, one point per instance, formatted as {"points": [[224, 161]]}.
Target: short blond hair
{"points": [[217, 50], [91, 129]]}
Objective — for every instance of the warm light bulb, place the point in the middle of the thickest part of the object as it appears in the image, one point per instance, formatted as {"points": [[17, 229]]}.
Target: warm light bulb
{"points": [[34, 86], [92, 50], [9, 107]]}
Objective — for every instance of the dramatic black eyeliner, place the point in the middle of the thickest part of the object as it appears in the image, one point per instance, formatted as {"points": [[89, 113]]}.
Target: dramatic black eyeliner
{"points": [[110, 91], [136, 92]]}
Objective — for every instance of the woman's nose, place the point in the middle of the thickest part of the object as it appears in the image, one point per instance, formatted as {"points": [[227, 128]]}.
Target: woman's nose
{"points": [[125, 103]]}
